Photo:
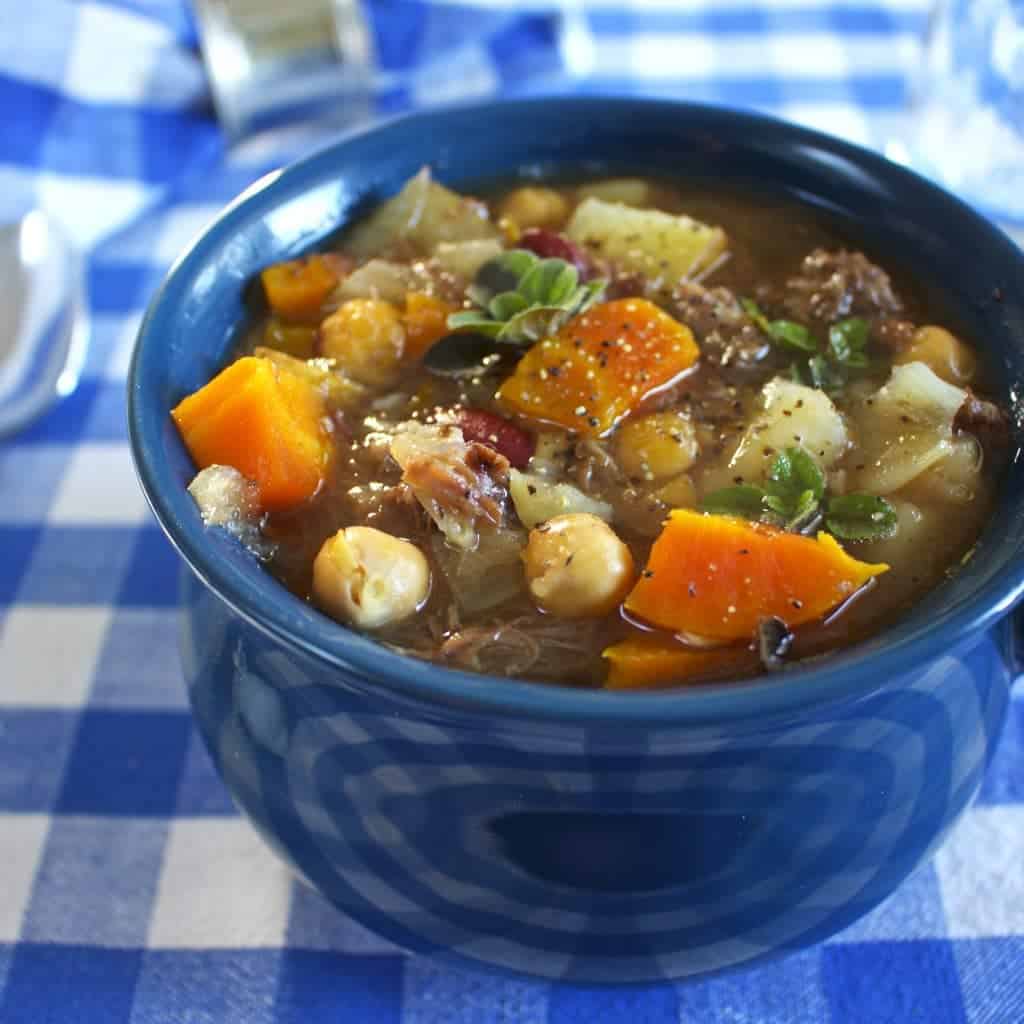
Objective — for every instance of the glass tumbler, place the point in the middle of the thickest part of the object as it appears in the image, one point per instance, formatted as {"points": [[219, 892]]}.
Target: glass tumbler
{"points": [[271, 63]]}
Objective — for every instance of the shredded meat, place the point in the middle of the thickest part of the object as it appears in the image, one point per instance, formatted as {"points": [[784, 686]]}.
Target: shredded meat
{"points": [[727, 336], [834, 285], [458, 483], [985, 420], [894, 334], [554, 648]]}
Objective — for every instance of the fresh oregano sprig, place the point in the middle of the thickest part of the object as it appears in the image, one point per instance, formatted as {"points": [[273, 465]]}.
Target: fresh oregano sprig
{"points": [[521, 298], [828, 370], [794, 498]]}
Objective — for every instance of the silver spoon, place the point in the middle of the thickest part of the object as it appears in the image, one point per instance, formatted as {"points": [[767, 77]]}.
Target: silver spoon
{"points": [[44, 331]]}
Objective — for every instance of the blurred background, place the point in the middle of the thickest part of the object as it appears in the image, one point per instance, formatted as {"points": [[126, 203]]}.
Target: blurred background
{"points": [[110, 103]]}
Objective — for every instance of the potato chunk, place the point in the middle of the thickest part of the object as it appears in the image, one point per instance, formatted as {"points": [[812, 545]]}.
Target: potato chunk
{"points": [[792, 416], [663, 247]]}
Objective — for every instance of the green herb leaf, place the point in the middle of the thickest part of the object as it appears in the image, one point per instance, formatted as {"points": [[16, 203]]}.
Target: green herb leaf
{"points": [[860, 517], [523, 299], [742, 500], [479, 321], [788, 334], [753, 310], [501, 274], [793, 471], [848, 342], [564, 285], [824, 375], [806, 512], [506, 305]]}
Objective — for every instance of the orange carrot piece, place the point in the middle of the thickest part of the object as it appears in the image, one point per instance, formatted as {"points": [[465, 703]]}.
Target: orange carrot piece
{"points": [[717, 577], [426, 323], [266, 422], [601, 365], [650, 660], [296, 289]]}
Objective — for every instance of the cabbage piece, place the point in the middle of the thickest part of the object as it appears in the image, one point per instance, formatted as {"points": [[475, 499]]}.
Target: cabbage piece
{"points": [[488, 575], [537, 499], [464, 259], [904, 428], [377, 279], [628, 191], [662, 247], [421, 216]]}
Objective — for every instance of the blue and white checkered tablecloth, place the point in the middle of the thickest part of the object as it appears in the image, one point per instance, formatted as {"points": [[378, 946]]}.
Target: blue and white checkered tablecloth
{"points": [[130, 891]]}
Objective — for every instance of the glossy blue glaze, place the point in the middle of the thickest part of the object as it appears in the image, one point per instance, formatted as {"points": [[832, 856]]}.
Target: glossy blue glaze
{"points": [[558, 832]]}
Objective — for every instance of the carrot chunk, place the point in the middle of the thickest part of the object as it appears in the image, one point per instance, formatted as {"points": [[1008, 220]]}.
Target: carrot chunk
{"points": [[296, 289], [717, 577], [601, 365], [264, 420], [648, 660], [426, 323]]}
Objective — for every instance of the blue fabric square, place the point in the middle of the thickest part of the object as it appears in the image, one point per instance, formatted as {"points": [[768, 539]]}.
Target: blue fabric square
{"points": [[125, 762], [200, 789], [139, 664], [328, 986], [108, 414], [33, 473], [786, 990], [209, 987], [991, 978], [108, 869], [118, 287], [892, 983], [66, 421], [34, 748], [64, 984], [151, 579], [577, 1004], [23, 136], [78, 565], [1003, 783], [17, 546]]}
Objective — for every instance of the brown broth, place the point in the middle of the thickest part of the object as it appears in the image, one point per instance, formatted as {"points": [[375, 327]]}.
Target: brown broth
{"points": [[768, 240]]}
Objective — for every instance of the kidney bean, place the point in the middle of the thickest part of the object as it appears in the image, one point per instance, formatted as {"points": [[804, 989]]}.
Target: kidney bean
{"points": [[498, 433], [548, 245]]}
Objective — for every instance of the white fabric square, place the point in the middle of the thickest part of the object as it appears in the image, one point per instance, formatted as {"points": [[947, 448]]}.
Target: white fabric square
{"points": [[220, 888], [88, 73], [177, 230], [89, 208], [981, 873], [106, 869], [913, 911], [99, 487], [50, 654], [21, 844]]}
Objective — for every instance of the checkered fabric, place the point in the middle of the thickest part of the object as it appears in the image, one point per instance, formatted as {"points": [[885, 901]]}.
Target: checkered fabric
{"points": [[130, 890]]}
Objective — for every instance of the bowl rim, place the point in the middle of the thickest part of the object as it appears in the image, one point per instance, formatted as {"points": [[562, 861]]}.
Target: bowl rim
{"points": [[848, 675]]}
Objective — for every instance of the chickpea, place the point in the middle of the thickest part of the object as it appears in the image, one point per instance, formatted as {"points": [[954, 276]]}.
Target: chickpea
{"points": [[576, 567], [366, 338], [943, 353], [657, 447], [678, 493], [368, 578], [534, 207]]}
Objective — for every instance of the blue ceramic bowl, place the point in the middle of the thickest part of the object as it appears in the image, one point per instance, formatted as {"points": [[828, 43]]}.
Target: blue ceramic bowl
{"points": [[558, 832]]}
